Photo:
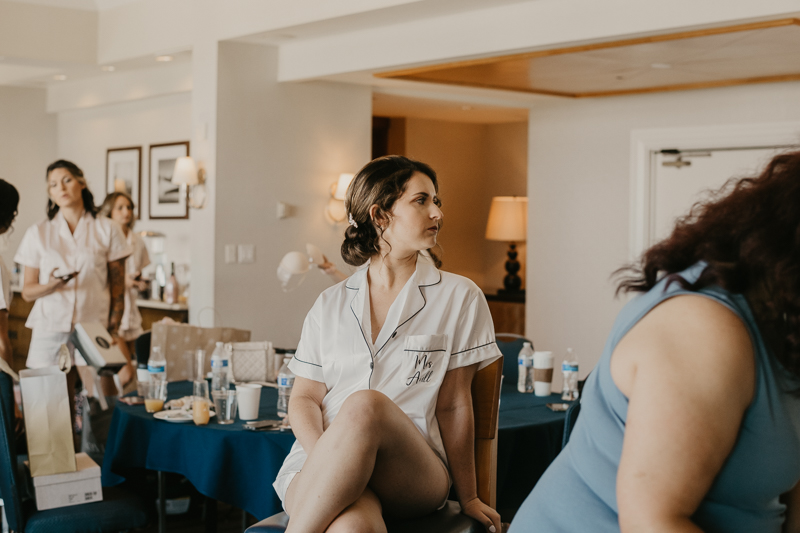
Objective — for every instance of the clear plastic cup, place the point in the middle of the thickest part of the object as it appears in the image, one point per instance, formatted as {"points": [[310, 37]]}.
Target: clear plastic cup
{"points": [[225, 405], [155, 393]]}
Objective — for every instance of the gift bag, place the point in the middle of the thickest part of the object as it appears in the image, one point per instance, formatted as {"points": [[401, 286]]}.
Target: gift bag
{"points": [[252, 361], [178, 342], [47, 421]]}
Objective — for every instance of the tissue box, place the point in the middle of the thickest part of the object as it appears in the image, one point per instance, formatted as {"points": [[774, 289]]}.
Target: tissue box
{"points": [[73, 488]]}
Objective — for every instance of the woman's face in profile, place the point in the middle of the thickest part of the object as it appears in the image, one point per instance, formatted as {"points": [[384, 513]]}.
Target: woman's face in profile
{"points": [[64, 189], [416, 216], [122, 212]]}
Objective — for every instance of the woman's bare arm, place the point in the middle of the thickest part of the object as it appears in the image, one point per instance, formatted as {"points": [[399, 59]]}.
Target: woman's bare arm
{"points": [[792, 501], [688, 371], [33, 290], [5, 342], [305, 411], [457, 427]]}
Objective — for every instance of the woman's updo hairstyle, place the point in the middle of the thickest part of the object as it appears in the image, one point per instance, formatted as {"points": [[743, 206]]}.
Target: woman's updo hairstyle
{"points": [[381, 182], [77, 173]]}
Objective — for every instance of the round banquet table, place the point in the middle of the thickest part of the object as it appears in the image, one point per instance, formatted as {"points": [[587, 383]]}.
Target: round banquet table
{"points": [[225, 462], [237, 466]]}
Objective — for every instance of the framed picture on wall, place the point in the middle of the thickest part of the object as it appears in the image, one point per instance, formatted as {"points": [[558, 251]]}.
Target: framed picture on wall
{"points": [[124, 173], [167, 200]]}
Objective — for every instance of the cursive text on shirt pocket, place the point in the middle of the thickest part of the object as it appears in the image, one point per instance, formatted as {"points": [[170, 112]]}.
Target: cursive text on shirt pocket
{"points": [[424, 355]]}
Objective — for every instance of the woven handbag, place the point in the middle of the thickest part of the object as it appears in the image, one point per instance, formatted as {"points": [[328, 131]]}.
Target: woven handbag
{"points": [[252, 361]]}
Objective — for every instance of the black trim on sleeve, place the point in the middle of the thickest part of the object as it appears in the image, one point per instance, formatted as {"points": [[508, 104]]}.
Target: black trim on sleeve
{"points": [[306, 362], [475, 348]]}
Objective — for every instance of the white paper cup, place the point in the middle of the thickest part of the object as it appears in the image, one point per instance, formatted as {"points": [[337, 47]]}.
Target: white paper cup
{"points": [[542, 373], [249, 397]]}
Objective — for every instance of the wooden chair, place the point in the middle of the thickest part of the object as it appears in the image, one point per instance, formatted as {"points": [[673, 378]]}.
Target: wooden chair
{"points": [[486, 406]]}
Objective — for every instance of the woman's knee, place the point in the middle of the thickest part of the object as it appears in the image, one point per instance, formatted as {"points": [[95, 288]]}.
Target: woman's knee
{"points": [[365, 408], [357, 523]]}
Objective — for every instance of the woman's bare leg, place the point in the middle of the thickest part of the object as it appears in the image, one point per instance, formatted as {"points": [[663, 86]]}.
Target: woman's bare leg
{"points": [[370, 434]]}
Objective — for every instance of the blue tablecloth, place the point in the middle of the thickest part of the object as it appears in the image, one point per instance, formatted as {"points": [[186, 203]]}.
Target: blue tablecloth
{"points": [[224, 462], [237, 466]]}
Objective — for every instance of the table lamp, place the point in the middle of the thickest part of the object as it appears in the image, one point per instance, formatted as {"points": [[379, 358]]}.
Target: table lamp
{"points": [[508, 222]]}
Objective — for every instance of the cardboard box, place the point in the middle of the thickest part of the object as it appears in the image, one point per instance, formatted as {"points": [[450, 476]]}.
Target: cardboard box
{"points": [[61, 490]]}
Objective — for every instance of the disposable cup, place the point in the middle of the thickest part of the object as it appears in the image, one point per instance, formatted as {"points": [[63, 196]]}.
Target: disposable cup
{"points": [[225, 405], [249, 396], [542, 373], [155, 393]]}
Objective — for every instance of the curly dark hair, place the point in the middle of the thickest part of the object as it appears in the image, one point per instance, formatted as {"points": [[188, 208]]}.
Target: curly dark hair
{"points": [[381, 182], [749, 235], [9, 201]]}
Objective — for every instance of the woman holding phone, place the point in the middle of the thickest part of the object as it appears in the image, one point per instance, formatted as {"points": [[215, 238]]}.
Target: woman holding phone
{"points": [[9, 199], [74, 267]]}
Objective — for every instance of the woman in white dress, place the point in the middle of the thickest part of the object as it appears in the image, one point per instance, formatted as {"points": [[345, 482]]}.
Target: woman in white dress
{"points": [[119, 206], [9, 199], [74, 268], [381, 405]]}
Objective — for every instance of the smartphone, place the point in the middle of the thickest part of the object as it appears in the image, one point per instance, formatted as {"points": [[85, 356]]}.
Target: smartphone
{"points": [[67, 277], [558, 406], [262, 424]]}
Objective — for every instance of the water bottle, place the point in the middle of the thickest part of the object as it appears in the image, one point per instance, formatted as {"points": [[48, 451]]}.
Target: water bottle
{"points": [[220, 363], [525, 366], [285, 383], [569, 368], [157, 365]]}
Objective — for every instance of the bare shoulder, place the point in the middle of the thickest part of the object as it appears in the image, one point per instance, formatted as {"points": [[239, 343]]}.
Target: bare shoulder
{"points": [[693, 339]]}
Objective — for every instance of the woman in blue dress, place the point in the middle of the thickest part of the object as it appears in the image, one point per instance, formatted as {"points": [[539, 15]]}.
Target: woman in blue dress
{"points": [[691, 420]]}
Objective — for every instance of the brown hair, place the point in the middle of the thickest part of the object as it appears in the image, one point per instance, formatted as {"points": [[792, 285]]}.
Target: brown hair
{"points": [[381, 182], [77, 173], [111, 199], [9, 201], [749, 235]]}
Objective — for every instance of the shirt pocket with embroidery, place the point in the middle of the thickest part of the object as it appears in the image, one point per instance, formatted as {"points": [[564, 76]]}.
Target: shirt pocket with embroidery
{"points": [[425, 360]]}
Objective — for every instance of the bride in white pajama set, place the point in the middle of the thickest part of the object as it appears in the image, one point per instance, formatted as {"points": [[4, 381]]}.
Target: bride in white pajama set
{"points": [[381, 406]]}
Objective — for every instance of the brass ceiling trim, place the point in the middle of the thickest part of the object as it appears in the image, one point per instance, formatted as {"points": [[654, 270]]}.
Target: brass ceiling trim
{"points": [[416, 71], [491, 86]]}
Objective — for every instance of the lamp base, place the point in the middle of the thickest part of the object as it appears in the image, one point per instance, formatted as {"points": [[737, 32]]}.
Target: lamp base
{"points": [[512, 283]]}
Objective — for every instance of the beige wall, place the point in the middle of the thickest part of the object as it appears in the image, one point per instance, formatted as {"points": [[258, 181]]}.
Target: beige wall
{"points": [[84, 136], [287, 143], [27, 146], [474, 162], [579, 189]]}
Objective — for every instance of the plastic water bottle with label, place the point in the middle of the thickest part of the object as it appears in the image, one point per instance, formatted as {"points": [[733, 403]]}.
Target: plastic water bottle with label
{"points": [[220, 379], [569, 368], [157, 365], [285, 384], [525, 366]]}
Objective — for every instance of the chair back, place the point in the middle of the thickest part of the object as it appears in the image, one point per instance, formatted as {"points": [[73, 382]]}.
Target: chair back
{"points": [[510, 344], [486, 408], [9, 489], [569, 422]]}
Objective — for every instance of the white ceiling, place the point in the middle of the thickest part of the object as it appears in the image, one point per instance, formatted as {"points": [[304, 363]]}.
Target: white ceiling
{"points": [[85, 5]]}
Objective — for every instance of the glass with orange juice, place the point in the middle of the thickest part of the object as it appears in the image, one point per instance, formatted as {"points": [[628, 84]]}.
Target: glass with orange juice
{"points": [[155, 395], [200, 412]]}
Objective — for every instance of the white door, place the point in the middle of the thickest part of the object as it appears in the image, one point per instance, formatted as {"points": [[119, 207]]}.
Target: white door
{"points": [[675, 190]]}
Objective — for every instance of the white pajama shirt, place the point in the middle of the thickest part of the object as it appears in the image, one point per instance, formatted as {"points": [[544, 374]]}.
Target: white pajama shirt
{"points": [[438, 322], [48, 246]]}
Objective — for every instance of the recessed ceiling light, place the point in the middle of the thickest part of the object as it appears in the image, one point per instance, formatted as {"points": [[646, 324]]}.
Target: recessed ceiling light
{"points": [[108, 68], [466, 107], [660, 65], [163, 59], [60, 77]]}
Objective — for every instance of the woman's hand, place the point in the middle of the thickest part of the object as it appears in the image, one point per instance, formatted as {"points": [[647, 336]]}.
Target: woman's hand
{"points": [[484, 514], [134, 281]]}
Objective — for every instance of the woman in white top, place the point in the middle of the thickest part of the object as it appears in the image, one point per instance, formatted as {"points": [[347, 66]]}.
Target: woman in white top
{"points": [[381, 405], [118, 206], [74, 267], [9, 200]]}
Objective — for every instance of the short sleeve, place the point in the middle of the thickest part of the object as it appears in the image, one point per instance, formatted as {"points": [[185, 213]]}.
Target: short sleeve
{"points": [[473, 338], [29, 251], [118, 247], [307, 361], [5, 283]]}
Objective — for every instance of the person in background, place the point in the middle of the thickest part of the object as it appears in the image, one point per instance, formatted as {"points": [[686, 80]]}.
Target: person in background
{"points": [[331, 271], [74, 269], [9, 200], [381, 404], [690, 421], [119, 207]]}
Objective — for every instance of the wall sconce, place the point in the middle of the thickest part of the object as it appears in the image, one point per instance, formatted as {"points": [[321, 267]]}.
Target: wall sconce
{"points": [[335, 209], [187, 173]]}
